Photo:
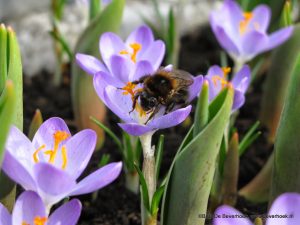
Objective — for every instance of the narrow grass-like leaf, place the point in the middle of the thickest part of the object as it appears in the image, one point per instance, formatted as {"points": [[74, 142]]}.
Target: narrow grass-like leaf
{"points": [[36, 122], [191, 174], [104, 160], [3, 55], [156, 200], [252, 131], [94, 8], [57, 36], [159, 154], [144, 188]]}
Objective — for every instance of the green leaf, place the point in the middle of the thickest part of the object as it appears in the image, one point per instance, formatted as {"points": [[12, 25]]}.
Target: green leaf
{"points": [[3, 55], [276, 84], [86, 102], [57, 36], [95, 7], [286, 173], [156, 199], [36, 122], [286, 16], [171, 39], [248, 138], [104, 160], [7, 109], [191, 175], [144, 188], [159, 154]]}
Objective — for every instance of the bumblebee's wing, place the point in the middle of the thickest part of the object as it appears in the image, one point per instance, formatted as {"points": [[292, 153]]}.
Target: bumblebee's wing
{"points": [[184, 78]]}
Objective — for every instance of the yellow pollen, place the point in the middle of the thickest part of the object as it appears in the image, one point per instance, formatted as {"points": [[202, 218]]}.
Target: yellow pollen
{"points": [[24, 223], [40, 220], [217, 79], [58, 136], [245, 22], [136, 47], [226, 71], [129, 89]]}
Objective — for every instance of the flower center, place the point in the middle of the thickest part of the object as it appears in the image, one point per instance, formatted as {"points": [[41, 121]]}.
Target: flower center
{"points": [[58, 136], [245, 22], [222, 79], [130, 89], [136, 47], [37, 221]]}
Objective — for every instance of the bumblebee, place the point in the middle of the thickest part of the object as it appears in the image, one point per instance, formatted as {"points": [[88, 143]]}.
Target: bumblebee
{"points": [[163, 88]]}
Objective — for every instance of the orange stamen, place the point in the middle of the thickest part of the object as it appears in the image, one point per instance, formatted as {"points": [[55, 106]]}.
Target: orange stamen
{"points": [[64, 156], [217, 79], [35, 154], [245, 22], [136, 47], [129, 89], [226, 71], [40, 220]]}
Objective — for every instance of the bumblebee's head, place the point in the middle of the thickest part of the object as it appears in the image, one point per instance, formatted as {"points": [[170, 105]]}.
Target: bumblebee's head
{"points": [[147, 101]]}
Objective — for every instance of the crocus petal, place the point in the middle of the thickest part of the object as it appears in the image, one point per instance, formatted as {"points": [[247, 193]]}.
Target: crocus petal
{"points": [[142, 35], [225, 41], [110, 44], [243, 75], [236, 219], [261, 18], [121, 67], [79, 151], [99, 179], [67, 214], [171, 119], [143, 68], [90, 64], [54, 184], [5, 217], [120, 104], [195, 88], [135, 129], [278, 37], [44, 135], [214, 71], [14, 169], [285, 204], [28, 206], [238, 100], [100, 83], [253, 42], [154, 54]]}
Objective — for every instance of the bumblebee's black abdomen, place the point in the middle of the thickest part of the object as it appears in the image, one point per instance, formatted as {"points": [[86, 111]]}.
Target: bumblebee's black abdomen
{"points": [[159, 85]]}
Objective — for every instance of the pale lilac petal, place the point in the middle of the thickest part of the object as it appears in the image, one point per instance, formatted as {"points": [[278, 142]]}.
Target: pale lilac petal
{"points": [[54, 184], [90, 64], [261, 18], [44, 135], [195, 88], [143, 36], [154, 54], [285, 204], [238, 100], [241, 80], [227, 210], [253, 42], [5, 217], [79, 151], [121, 67], [100, 84], [215, 71], [143, 68], [120, 104], [171, 119], [110, 44], [233, 10], [279, 37], [28, 206], [99, 179], [135, 129], [225, 41], [67, 214], [214, 87], [14, 169]]}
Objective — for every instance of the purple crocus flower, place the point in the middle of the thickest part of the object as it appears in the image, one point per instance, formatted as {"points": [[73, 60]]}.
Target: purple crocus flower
{"points": [[120, 102], [52, 163], [284, 210], [123, 62], [217, 78], [87, 2], [30, 210], [244, 34]]}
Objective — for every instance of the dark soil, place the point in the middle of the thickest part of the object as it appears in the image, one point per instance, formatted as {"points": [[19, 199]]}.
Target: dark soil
{"points": [[114, 204]]}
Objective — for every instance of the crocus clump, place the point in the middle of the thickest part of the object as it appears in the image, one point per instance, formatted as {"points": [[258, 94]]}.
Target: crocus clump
{"points": [[30, 210], [125, 61], [244, 34], [52, 163], [284, 210], [218, 79]]}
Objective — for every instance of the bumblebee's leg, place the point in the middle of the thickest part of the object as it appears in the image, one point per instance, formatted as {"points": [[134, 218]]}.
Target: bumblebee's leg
{"points": [[134, 100], [169, 107], [156, 109], [139, 81]]}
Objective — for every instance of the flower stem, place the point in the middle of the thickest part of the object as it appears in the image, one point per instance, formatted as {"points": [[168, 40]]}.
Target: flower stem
{"points": [[238, 64], [149, 174]]}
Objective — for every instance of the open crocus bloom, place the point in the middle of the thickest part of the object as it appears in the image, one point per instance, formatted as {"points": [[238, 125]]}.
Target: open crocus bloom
{"points": [[120, 102], [30, 210], [284, 211], [123, 62], [217, 78], [244, 34], [52, 163]]}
